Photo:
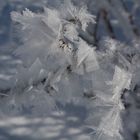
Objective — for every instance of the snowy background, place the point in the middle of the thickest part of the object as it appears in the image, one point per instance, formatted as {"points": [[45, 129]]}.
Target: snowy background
{"points": [[67, 122]]}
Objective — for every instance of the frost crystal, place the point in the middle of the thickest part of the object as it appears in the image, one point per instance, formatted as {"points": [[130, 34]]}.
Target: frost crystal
{"points": [[61, 65]]}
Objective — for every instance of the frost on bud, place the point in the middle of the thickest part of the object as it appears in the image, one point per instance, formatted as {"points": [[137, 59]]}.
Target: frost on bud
{"points": [[77, 15]]}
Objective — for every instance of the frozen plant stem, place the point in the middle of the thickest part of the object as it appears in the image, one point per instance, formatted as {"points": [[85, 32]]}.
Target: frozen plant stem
{"points": [[60, 64]]}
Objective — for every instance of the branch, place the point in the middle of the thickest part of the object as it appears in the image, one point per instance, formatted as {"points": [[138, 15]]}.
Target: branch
{"points": [[109, 27]]}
